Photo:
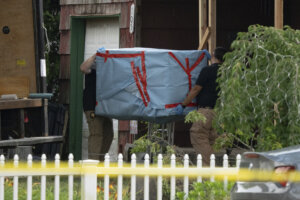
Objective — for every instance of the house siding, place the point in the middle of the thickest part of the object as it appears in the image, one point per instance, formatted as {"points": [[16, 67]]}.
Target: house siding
{"points": [[88, 8]]}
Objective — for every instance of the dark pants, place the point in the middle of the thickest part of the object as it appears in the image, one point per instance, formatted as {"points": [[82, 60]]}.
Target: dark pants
{"points": [[101, 135]]}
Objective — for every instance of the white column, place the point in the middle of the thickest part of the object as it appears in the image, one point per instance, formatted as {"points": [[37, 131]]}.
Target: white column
{"points": [[89, 180]]}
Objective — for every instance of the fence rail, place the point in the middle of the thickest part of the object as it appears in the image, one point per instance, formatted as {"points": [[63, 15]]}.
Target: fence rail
{"points": [[90, 170]]}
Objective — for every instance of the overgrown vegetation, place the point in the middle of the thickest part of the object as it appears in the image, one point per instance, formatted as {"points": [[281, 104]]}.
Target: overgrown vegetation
{"points": [[259, 89], [154, 143], [207, 190], [36, 188], [51, 21]]}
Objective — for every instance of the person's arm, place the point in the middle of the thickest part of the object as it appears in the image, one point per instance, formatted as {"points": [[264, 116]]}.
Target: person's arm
{"points": [[192, 94], [85, 67]]}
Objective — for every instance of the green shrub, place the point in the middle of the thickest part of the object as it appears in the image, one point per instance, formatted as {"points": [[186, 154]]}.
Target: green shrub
{"points": [[207, 191], [259, 89]]}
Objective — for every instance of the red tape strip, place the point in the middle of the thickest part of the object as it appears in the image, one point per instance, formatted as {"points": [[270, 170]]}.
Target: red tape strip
{"points": [[138, 83], [167, 106]]}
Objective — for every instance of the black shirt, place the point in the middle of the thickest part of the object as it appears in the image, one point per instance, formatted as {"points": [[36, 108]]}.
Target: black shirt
{"points": [[89, 92], [209, 93]]}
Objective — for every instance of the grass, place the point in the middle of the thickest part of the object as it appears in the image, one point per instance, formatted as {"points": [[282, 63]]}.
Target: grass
{"points": [[63, 194]]}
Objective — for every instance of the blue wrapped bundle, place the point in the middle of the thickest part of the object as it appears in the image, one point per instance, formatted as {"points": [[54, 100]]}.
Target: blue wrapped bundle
{"points": [[146, 84]]}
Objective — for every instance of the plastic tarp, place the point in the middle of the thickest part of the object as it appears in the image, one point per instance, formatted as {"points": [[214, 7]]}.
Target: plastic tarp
{"points": [[146, 84]]}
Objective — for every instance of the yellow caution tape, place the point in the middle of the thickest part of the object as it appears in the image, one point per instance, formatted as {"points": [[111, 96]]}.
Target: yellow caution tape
{"points": [[231, 174]]}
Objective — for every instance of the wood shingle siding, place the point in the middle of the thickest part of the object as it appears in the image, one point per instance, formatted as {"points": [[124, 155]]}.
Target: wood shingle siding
{"points": [[88, 8]]}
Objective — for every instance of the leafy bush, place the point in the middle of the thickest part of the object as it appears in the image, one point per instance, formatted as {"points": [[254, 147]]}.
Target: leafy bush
{"points": [[259, 89], [194, 116], [207, 190], [154, 144]]}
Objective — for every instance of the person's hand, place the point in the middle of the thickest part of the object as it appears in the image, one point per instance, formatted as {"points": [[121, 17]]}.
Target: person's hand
{"points": [[178, 109]]}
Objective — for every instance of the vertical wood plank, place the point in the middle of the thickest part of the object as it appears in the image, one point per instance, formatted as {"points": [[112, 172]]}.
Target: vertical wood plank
{"points": [[202, 21], [278, 14], [212, 23]]}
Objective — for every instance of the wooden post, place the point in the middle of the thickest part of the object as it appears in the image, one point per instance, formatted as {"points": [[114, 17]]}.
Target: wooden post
{"points": [[22, 127], [45, 112], [278, 14], [204, 39], [212, 23], [202, 22]]}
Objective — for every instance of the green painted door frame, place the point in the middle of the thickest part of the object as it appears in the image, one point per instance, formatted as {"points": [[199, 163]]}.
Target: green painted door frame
{"points": [[76, 80]]}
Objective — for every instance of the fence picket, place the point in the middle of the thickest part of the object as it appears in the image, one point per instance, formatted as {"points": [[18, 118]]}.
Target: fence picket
{"points": [[225, 166], [146, 179], [57, 178], [159, 178], [43, 178], [173, 179], [2, 162], [29, 178], [120, 177], [238, 161], [199, 165], [16, 178], [106, 178], [70, 177], [186, 178], [133, 178], [89, 180], [212, 166]]}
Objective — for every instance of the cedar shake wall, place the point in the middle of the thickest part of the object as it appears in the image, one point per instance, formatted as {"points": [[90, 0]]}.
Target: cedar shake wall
{"points": [[88, 8]]}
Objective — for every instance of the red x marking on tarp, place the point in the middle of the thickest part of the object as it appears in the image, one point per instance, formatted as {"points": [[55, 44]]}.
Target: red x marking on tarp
{"points": [[188, 71]]}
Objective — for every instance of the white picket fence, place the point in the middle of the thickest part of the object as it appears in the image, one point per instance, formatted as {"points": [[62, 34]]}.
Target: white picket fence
{"points": [[89, 171]]}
